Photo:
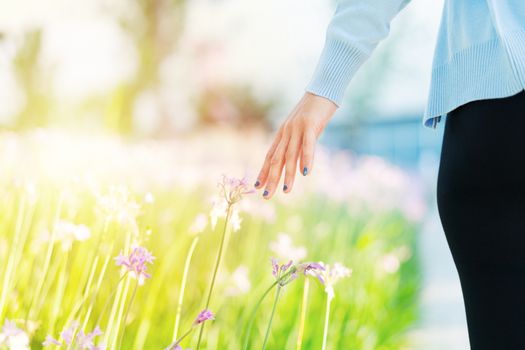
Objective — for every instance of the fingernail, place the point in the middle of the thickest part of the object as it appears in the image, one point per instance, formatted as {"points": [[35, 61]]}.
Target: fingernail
{"points": [[285, 187], [305, 170], [257, 183], [265, 193]]}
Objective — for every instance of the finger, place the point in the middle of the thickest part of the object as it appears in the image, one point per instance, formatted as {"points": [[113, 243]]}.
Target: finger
{"points": [[307, 151], [276, 168], [262, 177], [292, 155], [263, 173]]}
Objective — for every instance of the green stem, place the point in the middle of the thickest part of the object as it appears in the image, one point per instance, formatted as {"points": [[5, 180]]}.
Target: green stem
{"points": [[84, 298], [177, 342], [183, 286], [92, 293], [326, 319], [118, 305], [47, 262], [126, 314], [216, 269], [252, 316], [104, 308], [11, 261], [59, 296], [118, 313], [271, 316], [96, 292], [302, 319]]}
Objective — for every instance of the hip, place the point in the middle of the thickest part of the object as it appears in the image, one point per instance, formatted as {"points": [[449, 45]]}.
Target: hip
{"points": [[484, 144]]}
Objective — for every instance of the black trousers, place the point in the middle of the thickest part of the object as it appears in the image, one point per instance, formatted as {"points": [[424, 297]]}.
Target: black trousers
{"points": [[481, 204]]}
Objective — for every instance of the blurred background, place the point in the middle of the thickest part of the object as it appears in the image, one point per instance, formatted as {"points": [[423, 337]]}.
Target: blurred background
{"points": [[197, 88]]}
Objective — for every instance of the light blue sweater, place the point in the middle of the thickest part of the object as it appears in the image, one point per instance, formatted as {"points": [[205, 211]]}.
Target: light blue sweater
{"points": [[479, 54]]}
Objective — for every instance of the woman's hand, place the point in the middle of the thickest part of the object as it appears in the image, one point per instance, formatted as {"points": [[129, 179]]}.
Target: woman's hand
{"points": [[295, 140]]}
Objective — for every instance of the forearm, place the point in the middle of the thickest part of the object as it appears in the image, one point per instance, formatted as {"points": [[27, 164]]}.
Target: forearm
{"points": [[353, 33]]}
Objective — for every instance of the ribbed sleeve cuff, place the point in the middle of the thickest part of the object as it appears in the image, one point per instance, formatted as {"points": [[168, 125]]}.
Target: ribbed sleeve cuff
{"points": [[337, 64]]}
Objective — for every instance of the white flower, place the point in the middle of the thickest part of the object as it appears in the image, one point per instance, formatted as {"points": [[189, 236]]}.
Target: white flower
{"points": [[118, 206], [74, 337], [239, 282], [331, 275], [199, 223], [13, 337], [148, 198], [66, 233], [235, 220], [219, 209], [283, 247], [390, 263]]}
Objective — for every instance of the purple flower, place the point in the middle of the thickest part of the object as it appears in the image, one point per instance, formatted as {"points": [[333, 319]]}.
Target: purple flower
{"points": [[68, 333], [203, 316], [13, 337], [288, 272], [233, 189], [275, 267], [81, 340], [86, 340], [278, 270], [135, 263], [284, 273], [313, 269], [330, 275], [10, 329], [50, 341]]}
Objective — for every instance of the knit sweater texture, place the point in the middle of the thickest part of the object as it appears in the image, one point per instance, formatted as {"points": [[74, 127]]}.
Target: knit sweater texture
{"points": [[479, 53]]}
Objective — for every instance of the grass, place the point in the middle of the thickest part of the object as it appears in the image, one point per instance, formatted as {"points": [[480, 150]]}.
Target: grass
{"points": [[46, 284]]}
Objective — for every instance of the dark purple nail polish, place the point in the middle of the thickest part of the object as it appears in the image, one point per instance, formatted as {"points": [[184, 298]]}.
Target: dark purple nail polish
{"points": [[257, 183], [285, 187], [265, 193], [305, 171]]}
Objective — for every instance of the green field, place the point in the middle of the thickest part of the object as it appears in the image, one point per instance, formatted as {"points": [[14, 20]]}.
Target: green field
{"points": [[70, 205]]}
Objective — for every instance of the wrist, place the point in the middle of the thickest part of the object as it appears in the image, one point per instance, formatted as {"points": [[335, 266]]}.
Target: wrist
{"points": [[321, 100], [319, 105]]}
